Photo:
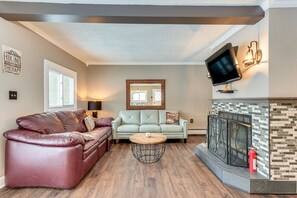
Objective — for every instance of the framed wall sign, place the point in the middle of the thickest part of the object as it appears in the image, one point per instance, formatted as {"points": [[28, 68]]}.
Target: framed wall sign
{"points": [[12, 60]]}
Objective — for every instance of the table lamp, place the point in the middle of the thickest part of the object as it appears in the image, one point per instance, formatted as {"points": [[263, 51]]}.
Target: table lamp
{"points": [[94, 105]]}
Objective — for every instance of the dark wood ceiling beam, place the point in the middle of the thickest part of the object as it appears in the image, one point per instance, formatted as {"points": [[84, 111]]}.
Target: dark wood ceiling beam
{"points": [[134, 14]]}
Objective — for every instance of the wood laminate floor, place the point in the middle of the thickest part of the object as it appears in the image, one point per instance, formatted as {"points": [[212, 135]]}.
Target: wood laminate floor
{"points": [[118, 174]]}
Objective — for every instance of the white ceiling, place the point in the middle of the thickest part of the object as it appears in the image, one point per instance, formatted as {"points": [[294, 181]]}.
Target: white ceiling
{"points": [[135, 43]]}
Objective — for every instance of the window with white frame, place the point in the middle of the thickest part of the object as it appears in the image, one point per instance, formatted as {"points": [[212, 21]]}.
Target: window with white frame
{"points": [[139, 96], [59, 87], [157, 96]]}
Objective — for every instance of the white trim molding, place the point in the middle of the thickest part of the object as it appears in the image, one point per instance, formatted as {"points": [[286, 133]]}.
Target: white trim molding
{"points": [[197, 131], [2, 182], [145, 63], [283, 3], [266, 4]]}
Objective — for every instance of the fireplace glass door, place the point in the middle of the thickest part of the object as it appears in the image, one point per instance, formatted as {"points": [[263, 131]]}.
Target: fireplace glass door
{"points": [[229, 136], [238, 143], [218, 137]]}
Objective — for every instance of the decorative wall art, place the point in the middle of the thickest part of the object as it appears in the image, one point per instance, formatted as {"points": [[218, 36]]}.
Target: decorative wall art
{"points": [[12, 60]]}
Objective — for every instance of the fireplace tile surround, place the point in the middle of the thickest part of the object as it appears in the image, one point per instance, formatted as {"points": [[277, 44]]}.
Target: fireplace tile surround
{"points": [[274, 136], [260, 125], [283, 140]]}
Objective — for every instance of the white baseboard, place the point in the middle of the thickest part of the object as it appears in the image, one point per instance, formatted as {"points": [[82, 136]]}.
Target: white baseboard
{"points": [[2, 184], [197, 131]]}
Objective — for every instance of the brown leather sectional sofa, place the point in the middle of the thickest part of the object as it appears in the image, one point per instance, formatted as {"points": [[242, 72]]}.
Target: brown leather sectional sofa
{"points": [[40, 153]]}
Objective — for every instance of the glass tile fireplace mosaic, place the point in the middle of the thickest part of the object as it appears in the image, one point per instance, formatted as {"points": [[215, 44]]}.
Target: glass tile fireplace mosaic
{"points": [[229, 136]]}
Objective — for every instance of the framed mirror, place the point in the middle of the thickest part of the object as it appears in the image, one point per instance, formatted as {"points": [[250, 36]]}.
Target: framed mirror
{"points": [[145, 94]]}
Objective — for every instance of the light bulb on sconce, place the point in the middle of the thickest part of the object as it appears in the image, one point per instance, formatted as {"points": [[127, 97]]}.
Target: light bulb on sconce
{"points": [[252, 57]]}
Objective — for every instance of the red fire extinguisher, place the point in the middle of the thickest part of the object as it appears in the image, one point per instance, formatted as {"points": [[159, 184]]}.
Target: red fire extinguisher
{"points": [[252, 160]]}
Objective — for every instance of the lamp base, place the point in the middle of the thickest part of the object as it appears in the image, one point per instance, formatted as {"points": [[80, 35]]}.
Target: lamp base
{"points": [[94, 114]]}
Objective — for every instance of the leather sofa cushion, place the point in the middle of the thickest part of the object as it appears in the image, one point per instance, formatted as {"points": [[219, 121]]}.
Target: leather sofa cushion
{"points": [[145, 128], [128, 128], [162, 115], [171, 128], [90, 150], [45, 123], [81, 114], [69, 120], [53, 140], [130, 117], [149, 117], [99, 134]]}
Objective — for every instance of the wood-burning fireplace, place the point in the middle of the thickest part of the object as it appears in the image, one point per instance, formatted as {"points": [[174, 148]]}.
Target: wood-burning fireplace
{"points": [[229, 136]]}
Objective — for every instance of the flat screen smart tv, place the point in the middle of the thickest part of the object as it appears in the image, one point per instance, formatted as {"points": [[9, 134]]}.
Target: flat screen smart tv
{"points": [[223, 66]]}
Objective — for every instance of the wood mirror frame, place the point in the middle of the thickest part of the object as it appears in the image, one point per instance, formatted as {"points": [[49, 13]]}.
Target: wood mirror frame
{"points": [[146, 81]]}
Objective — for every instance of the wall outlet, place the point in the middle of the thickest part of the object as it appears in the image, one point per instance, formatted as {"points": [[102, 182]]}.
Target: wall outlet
{"points": [[13, 95], [191, 120]]}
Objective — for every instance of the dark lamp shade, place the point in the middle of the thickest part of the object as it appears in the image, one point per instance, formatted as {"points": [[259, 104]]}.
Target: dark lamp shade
{"points": [[94, 105]]}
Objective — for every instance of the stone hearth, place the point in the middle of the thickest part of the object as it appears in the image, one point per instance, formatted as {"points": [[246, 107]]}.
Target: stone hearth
{"points": [[241, 178], [274, 136]]}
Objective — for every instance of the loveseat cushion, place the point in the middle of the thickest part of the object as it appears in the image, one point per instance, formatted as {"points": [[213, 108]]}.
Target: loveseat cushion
{"points": [[130, 117], [149, 117], [81, 114], [69, 120], [128, 128], [45, 123], [152, 128], [162, 115], [171, 128]]}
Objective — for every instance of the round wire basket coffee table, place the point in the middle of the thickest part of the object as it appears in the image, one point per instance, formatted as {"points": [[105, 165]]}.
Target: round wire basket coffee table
{"points": [[148, 148]]}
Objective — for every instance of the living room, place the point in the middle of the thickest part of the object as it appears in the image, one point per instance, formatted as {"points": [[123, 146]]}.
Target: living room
{"points": [[188, 89]]}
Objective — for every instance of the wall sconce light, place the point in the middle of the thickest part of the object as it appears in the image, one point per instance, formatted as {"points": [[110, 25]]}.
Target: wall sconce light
{"points": [[94, 105], [252, 57]]}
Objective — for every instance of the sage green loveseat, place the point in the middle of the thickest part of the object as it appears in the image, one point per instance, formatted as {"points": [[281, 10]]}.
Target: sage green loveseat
{"points": [[130, 122]]}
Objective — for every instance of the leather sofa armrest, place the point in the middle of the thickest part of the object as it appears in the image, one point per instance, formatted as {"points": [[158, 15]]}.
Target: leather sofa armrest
{"points": [[103, 122], [184, 124], [30, 137], [115, 124]]}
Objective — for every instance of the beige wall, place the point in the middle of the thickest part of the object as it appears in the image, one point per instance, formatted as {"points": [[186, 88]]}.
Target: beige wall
{"points": [[30, 84], [275, 76], [255, 81], [187, 88], [283, 52]]}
